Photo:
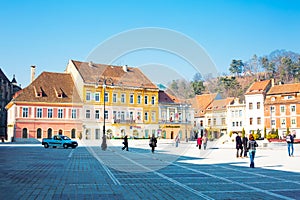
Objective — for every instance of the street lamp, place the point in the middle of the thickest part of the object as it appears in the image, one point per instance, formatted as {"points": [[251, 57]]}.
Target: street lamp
{"points": [[104, 84]]}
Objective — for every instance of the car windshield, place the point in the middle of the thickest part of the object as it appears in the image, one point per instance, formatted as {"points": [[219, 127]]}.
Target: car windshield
{"points": [[65, 138]]}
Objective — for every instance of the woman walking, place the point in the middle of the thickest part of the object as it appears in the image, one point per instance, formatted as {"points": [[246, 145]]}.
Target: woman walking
{"points": [[199, 142], [251, 146]]}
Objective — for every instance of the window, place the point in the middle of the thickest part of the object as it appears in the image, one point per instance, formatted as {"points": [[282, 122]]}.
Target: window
{"points": [[293, 121], [258, 120], [153, 100], [273, 122], [272, 108], [240, 113], [258, 105], [146, 100], [282, 109], [97, 133], [123, 115], [209, 122], [88, 96], [73, 133], [146, 116], [123, 98], [153, 116], [250, 106], [139, 99], [87, 114], [214, 121], [241, 123], [106, 114], [251, 121], [115, 98], [282, 121], [293, 108], [232, 113], [97, 97], [233, 124], [74, 113], [223, 121], [24, 133], [50, 112], [60, 113], [131, 99], [97, 114], [25, 112], [39, 112], [106, 97], [236, 114], [139, 116]]}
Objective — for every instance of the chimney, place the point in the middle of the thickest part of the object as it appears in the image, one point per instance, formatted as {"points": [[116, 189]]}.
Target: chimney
{"points": [[32, 73], [125, 68], [272, 82]]}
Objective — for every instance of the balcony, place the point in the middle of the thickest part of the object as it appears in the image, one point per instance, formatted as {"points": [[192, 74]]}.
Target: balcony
{"points": [[123, 121]]}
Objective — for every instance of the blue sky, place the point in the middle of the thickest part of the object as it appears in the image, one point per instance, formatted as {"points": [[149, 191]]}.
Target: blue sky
{"points": [[49, 33]]}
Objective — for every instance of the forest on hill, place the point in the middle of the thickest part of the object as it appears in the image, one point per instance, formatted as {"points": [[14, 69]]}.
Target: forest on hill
{"points": [[281, 65]]}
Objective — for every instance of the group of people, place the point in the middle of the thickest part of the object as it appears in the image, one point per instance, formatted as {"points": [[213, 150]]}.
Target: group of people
{"points": [[202, 140], [245, 145], [152, 143]]}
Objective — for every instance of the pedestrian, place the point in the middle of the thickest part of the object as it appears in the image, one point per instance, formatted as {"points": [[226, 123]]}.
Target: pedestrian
{"points": [[177, 140], [251, 146], [199, 142], [153, 143], [239, 146], [125, 143], [245, 142], [290, 144], [204, 142]]}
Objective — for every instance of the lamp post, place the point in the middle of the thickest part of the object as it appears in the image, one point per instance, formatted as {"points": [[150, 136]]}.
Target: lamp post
{"points": [[186, 121], [104, 144]]}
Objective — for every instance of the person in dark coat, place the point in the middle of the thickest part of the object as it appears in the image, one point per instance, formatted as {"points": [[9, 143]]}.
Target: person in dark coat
{"points": [[125, 142], [290, 142], [245, 142], [153, 143], [239, 146]]}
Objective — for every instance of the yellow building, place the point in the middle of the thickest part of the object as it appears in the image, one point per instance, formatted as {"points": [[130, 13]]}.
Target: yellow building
{"points": [[124, 95]]}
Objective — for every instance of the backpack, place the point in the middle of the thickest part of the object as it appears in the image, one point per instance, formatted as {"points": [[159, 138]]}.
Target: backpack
{"points": [[288, 138]]}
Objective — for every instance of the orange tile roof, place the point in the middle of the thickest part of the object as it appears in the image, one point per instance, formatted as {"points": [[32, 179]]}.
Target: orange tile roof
{"points": [[49, 85], [285, 89], [220, 104], [165, 97], [92, 73], [201, 102], [258, 87]]}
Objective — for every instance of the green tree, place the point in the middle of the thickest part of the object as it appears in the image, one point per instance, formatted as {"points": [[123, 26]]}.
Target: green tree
{"points": [[198, 87], [236, 67]]}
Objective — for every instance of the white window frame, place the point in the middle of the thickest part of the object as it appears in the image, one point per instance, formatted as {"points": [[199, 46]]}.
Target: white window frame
{"points": [[97, 96], [25, 112], [39, 112], [88, 96], [60, 113], [50, 113]]}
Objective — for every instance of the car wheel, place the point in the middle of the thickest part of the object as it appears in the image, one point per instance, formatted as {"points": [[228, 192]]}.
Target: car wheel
{"points": [[73, 147], [46, 145], [65, 146]]}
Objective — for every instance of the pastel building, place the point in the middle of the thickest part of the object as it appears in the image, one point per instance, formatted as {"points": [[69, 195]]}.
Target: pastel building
{"points": [[282, 109], [49, 105], [120, 97]]}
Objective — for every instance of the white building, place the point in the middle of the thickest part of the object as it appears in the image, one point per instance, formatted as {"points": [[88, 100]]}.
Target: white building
{"points": [[236, 116]]}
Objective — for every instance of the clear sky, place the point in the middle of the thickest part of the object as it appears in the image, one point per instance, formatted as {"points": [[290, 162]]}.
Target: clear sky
{"points": [[49, 33]]}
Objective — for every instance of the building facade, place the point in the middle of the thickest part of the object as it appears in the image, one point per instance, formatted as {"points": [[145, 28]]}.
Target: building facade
{"points": [[236, 116], [175, 117], [255, 99], [7, 90], [282, 109], [119, 99], [49, 105]]}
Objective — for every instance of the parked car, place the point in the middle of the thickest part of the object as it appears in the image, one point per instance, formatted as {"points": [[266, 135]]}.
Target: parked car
{"points": [[59, 141]]}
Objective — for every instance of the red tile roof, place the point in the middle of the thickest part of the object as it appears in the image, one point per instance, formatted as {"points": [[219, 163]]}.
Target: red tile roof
{"points": [[220, 104], [259, 87], [285, 89], [201, 102], [133, 77], [165, 97], [50, 87]]}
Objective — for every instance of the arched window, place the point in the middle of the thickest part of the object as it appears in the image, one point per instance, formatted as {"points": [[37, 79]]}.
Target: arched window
{"points": [[60, 132], [73, 133], [49, 133], [24, 133], [39, 133]]}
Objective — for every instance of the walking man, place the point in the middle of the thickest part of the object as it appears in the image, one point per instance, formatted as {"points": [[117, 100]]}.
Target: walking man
{"points": [[239, 146], [125, 142]]}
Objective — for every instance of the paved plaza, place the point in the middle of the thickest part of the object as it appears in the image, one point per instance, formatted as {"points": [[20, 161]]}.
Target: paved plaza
{"points": [[183, 172]]}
